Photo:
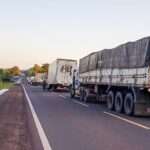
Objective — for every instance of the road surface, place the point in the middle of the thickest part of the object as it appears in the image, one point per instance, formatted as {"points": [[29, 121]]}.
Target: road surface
{"points": [[70, 124]]}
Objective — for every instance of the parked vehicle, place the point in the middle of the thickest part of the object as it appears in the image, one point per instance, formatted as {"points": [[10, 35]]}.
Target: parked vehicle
{"points": [[30, 79], [37, 79], [60, 73], [121, 76]]}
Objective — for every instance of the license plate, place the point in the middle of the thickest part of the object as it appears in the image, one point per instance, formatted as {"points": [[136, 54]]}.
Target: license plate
{"points": [[148, 110]]}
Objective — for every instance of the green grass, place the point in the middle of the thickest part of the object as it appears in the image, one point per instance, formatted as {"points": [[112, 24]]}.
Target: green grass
{"points": [[5, 85]]}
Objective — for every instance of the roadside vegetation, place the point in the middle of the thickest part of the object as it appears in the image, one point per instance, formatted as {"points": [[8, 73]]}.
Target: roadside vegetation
{"points": [[5, 85], [37, 69], [6, 75]]}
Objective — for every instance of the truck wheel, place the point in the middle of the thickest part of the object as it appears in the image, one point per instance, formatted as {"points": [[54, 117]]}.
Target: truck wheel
{"points": [[49, 88], [72, 93], [129, 104], [119, 102], [85, 95], [81, 95], [110, 100], [52, 89]]}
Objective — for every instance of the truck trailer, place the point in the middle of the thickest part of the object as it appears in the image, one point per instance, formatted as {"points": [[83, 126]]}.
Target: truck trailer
{"points": [[60, 73], [121, 76]]}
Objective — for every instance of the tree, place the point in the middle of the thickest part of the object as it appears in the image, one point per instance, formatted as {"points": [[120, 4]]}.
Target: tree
{"points": [[44, 68], [30, 72], [14, 71], [4, 75], [1, 74], [36, 69], [33, 70]]}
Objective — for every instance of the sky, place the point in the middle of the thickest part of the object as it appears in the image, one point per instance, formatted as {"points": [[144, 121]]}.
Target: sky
{"points": [[39, 31]]}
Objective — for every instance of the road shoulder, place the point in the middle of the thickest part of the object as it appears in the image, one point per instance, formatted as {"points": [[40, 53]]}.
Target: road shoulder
{"points": [[14, 129]]}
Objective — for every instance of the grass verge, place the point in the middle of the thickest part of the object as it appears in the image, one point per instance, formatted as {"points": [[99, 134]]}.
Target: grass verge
{"points": [[5, 85]]}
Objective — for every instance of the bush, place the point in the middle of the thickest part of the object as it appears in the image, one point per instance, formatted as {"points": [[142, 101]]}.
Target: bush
{"points": [[4, 75]]}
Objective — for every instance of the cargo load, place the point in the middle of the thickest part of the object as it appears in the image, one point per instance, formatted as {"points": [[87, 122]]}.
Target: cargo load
{"points": [[130, 55]]}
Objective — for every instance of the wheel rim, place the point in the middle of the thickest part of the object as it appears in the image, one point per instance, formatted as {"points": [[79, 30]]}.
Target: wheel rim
{"points": [[110, 101], [81, 96], [71, 93], [118, 102], [129, 104], [85, 96]]}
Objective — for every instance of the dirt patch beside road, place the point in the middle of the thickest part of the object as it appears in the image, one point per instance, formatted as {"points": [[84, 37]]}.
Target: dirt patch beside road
{"points": [[14, 131]]}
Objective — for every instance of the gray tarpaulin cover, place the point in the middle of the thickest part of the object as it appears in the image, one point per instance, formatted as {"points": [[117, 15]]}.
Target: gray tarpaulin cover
{"points": [[130, 55]]}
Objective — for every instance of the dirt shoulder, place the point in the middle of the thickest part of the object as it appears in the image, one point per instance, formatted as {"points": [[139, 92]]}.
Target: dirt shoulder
{"points": [[14, 131]]}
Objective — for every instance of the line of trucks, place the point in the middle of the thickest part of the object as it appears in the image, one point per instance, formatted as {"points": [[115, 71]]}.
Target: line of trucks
{"points": [[119, 76]]}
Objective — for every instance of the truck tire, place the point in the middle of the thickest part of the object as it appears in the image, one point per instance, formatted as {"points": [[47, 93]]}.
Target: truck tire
{"points": [[49, 88], [119, 102], [110, 100], [85, 95], [72, 93], [129, 104], [81, 94], [52, 89]]}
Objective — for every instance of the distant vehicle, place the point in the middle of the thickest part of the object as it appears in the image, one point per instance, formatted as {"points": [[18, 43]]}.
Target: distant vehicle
{"points": [[14, 78], [30, 79], [18, 82], [121, 76], [39, 78], [60, 73]]}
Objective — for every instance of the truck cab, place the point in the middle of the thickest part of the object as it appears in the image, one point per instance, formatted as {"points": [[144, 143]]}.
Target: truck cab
{"points": [[75, 85]]}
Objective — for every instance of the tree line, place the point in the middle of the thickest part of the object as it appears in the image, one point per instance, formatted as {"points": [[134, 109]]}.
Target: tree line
{"points": [[6, 74], [38, 69]]}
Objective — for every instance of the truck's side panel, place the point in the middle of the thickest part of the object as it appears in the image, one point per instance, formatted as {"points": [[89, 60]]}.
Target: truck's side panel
{"points": [[64, 71], [119, 77], [60, 72], [52, 71]]}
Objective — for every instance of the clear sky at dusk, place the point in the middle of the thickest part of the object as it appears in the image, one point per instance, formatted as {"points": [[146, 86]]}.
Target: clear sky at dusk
{"points": [[39, 31]]}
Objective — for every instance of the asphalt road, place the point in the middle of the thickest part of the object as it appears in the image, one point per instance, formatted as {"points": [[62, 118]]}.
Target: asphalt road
{"points": [[72, 125]]}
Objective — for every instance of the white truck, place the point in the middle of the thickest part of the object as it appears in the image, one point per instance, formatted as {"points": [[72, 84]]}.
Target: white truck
{"points": [[38, 78], [121, 76], [60, 73]]}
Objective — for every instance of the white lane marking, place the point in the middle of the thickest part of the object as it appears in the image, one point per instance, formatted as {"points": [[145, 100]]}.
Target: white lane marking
{"points": [[3, 91], [62, 96], [85, 105], [43, 137], [128, 121], [75, 101]]}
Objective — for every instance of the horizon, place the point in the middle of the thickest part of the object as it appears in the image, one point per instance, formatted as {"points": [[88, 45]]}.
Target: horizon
{"points": [[38, 32]]}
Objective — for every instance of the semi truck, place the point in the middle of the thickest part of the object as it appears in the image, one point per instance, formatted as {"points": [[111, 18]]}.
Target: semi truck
{"points": [[120, 76], [60, 73]]}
